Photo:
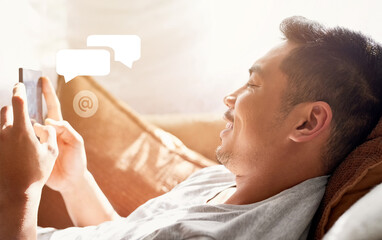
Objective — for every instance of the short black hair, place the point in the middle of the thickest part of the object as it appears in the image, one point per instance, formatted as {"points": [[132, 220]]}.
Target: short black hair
{"points": [[340, 67]]}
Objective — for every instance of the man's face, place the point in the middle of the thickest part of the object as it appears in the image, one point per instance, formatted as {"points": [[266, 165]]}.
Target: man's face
{"points": [[256, 128]]}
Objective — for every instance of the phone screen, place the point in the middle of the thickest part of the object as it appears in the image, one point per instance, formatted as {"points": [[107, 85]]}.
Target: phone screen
{"points": [[32, 82]]}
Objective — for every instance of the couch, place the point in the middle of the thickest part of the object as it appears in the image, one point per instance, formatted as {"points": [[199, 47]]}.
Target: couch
{"points": [[134, 158]]}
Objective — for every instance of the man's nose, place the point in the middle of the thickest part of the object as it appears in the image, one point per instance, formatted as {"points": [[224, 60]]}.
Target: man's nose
{"points": [[230, 100]]}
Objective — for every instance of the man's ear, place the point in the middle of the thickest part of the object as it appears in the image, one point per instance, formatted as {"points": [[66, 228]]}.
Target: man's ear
{"points": [[317, 119]]}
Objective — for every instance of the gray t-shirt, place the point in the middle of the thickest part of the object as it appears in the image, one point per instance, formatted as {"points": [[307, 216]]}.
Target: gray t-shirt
{"points": [[183, 213]]}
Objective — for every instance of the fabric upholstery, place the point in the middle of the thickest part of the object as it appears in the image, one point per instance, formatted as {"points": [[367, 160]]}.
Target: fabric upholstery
{"points": [[199, 132], [362, 220]]}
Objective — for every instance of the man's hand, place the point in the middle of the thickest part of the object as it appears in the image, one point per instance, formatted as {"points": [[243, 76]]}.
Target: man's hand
{"points": [[24, 159], [70, 166], [84, 200], [26, 164]]}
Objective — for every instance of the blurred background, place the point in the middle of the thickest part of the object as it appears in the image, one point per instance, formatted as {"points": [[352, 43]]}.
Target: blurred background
{"points": [[193, 52]]}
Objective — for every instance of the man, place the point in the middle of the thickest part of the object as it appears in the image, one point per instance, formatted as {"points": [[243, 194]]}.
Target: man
{"points": [[308, 102]]}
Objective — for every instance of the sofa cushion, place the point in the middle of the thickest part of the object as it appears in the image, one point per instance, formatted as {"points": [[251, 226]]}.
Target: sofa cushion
{"points": [[131, 160], [199, 132], [353, 178], [362, 221]]}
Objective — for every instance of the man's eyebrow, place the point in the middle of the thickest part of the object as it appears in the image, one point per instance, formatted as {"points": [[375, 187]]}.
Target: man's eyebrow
{"points": [[256, 69]]}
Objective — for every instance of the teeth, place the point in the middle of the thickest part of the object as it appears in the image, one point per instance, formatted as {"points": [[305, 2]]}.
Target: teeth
{"points": [[229, 125]]}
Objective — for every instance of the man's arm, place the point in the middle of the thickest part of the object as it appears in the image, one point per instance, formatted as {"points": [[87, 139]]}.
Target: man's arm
{"points": [[18, 214], [25, 166], [86, 203], [84, 200]]}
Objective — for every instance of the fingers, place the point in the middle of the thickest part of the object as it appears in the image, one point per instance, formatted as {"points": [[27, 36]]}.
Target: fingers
{"points": [[6, 117], [20, 107], [47, 134], [65, 131], [52, 102]]}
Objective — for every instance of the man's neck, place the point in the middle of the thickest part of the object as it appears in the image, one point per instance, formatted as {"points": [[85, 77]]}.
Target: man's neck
{"points": [[256, 188], [250, 190]]}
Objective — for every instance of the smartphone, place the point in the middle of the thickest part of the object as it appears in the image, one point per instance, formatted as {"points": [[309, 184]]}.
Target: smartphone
{"points": [[32, 82]]}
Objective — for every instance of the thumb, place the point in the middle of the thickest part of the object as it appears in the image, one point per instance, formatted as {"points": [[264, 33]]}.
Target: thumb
{"points": [[20, 107]]}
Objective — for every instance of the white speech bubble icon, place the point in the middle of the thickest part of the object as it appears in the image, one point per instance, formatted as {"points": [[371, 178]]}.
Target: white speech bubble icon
{"points": [[127, 48], [75, 62]]}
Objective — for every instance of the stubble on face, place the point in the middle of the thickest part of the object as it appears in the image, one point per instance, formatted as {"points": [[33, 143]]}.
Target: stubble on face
{"points": [[222, 157]]}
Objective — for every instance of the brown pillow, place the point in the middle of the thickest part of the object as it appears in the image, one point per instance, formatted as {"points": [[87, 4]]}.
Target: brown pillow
{"points": [[131, 160], [354, 177]]}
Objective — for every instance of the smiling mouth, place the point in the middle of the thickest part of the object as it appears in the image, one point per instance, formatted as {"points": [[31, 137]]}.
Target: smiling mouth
{"points": [[229, 125], [228, 128]]}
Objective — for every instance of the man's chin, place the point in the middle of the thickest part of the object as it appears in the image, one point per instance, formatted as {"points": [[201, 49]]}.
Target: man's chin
{"points": [[222, 156]]}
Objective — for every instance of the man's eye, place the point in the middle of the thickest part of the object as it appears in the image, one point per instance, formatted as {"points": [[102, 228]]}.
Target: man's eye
{"points": [[251, 85]]}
